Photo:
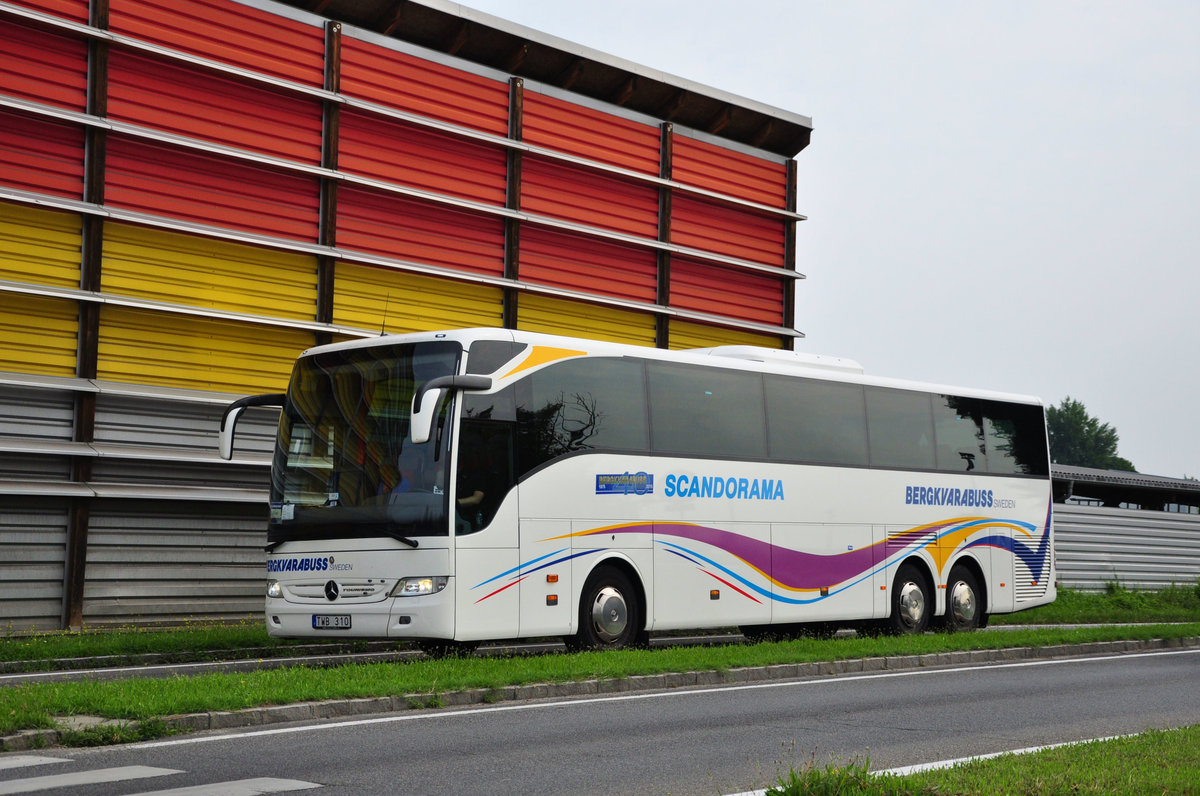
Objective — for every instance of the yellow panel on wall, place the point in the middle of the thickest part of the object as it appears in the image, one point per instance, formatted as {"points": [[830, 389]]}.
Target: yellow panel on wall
{"points": [[38, 334], [39, 246], [396, 301], [204, 272], [171, 350], [537, 313], [698, 335]]}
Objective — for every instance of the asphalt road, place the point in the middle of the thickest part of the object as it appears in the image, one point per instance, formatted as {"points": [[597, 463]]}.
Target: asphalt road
{"points": [[687, 741]]}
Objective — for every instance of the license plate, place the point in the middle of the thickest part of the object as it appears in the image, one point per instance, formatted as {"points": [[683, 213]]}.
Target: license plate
{"points": [[331, 621]]}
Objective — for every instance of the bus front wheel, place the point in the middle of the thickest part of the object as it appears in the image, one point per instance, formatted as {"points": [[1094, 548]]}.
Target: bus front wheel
{"points": [[610, 616], [911, 602]]}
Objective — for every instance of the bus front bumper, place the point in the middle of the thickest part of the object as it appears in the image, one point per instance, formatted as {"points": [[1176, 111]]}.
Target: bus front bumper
{"points": [[429, 616]]}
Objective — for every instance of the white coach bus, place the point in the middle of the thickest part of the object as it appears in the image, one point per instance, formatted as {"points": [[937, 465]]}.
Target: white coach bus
{"points": [[451, 487]]}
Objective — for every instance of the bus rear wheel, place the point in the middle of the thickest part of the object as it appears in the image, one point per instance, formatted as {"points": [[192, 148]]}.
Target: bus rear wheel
{"points": [[610, 615], [964, 607], [911, 602]]}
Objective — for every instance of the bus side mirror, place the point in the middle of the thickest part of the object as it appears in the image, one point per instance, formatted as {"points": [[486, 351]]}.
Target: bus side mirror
{"points": [[425, 402], [234, 411]]}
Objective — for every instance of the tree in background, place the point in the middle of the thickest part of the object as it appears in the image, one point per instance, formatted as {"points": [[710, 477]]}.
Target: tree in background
{"points": [[1079, 439]]}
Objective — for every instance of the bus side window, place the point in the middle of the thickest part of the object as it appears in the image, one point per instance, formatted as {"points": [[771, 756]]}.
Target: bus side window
{"points": [[900, 424], [816, 421], [1016, 438], [585, 404], [706, 411], [956, 425]]}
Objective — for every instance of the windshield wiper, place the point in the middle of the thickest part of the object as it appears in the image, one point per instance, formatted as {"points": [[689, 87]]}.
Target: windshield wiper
{"points": [[401, 538]]}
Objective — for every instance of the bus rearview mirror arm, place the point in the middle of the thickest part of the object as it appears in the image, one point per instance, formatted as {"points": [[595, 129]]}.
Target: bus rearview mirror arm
{"points": [[426, 401], [234, 411]]}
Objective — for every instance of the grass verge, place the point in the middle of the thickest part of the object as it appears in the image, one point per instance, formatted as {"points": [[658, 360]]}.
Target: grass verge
{"points": [[34, 705], [189, 643], [1155, 762], [249, 639], [1115, 604]]}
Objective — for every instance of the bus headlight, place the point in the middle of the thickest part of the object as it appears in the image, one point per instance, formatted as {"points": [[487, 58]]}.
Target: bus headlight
{"points": [[274, 589], [416, 587]]}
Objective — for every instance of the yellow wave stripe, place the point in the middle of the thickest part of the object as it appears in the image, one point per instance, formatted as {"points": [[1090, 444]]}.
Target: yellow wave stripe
{"points": [[540, 355]]}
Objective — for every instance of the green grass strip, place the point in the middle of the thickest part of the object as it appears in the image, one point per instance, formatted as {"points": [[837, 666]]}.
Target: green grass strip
{"points": [[34, 705], [1155, 762]]}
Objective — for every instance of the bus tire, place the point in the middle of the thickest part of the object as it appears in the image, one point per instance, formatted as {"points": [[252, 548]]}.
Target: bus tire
{"points": [[610, 615], [912, 602], [964, 601]]}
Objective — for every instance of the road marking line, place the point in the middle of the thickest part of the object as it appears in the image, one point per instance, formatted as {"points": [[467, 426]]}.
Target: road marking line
{"points": [[679, 692], [241, 787], [20, 761], [919, 767], [120, 774]]}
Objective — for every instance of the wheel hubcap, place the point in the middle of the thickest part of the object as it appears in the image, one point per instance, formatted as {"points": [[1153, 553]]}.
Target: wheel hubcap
{"points": [[610, 614], [962, 603], [912, 604]]}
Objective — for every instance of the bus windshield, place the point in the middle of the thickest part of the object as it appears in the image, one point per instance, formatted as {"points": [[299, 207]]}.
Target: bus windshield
{"points": [[345, 465]]}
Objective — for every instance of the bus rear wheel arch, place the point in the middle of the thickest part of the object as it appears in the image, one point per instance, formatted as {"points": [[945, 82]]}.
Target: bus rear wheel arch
{"points": [[611, 612]]}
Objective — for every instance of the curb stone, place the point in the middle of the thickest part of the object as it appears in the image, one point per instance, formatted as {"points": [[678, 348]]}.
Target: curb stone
{"points": [[347, 708]]}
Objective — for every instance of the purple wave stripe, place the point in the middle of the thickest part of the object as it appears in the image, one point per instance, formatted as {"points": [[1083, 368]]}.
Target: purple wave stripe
{"points": [[807, 571], [811, 571], [754, 586]]}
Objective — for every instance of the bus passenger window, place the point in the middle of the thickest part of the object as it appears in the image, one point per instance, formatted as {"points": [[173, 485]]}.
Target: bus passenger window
{"points": [[816, 421], [706, 411], [1016, 438], [956, 424], [900, 424]]}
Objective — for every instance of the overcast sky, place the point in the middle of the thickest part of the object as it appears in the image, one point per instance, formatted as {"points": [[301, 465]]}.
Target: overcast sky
{"points": [[1002, 195]]}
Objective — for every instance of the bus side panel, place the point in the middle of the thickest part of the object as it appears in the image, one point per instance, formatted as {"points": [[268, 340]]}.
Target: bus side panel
{"points": [[487, 598], [1001, 585], [705, 577], [548, 588], [822, 572], [488, 578]]}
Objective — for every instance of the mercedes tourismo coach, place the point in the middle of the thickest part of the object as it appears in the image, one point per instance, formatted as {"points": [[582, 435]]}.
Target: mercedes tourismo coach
{"points": [[456, 486]]}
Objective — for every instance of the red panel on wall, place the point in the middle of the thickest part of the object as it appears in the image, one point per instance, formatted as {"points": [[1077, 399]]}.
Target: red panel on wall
{"points": [[394, 226], [412, 84], [41, 156], [729, 172], [727, 230], [199, 104], [207, 189], [405, 154], [76, 10], [44, 67], [733, 293], [552, 188], [565, 126], [229, 32], [575, 262]]}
